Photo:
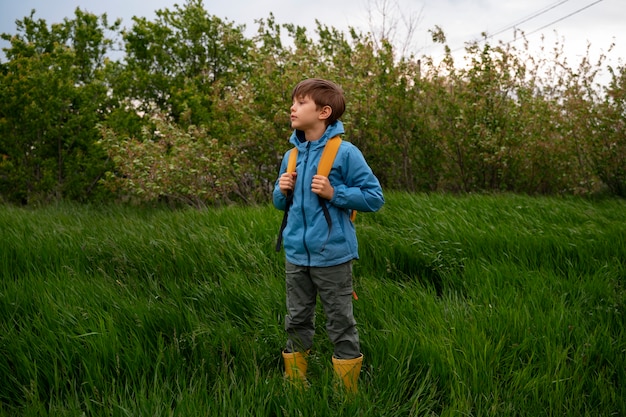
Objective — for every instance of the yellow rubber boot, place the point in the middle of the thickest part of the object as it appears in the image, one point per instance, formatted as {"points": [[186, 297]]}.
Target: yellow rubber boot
{"points": [[348, 371], [295, 367]]}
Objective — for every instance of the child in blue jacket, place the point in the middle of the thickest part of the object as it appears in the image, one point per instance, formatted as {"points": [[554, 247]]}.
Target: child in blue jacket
{"points": [[319, 251]]}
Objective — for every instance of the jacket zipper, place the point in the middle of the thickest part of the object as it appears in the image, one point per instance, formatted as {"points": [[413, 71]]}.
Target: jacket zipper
{"points": [[302, 191]]}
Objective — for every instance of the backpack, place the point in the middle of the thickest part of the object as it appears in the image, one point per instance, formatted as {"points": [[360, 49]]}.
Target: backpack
{"points": [[323, 168]]}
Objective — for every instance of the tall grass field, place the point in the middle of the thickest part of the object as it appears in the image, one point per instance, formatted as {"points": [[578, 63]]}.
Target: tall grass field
{"points": [[467, 306]]}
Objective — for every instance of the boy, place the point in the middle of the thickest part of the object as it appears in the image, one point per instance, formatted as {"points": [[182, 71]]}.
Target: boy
{"points": [[319, 250]]}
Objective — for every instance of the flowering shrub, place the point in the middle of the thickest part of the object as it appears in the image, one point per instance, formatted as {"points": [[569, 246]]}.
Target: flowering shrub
{"points": [[168, 163]]}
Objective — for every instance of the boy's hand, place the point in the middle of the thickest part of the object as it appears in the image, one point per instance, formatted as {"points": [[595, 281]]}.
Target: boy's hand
{"points": [[321, 186], [286, 182]]}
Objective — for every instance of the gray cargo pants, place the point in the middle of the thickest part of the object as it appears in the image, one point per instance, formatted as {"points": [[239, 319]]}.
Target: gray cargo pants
{"points": [[334, 286]]}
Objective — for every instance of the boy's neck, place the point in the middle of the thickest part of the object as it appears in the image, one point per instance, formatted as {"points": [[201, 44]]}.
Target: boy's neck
{"points": [[313, 134]]}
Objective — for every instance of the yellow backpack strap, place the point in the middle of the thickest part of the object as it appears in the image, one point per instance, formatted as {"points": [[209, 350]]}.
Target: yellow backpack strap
{"points": [[291, 167], [293, 158], [326, 163], [328, 156]]}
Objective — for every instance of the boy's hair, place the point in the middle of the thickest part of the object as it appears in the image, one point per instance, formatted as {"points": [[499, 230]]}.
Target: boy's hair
{"points": [[323, 93]]}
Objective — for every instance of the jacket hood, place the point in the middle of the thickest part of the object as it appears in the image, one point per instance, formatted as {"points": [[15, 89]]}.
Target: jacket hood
{"points": [[297, 137]]}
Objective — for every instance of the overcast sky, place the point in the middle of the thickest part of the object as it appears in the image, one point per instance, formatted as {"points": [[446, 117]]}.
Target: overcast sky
{"points": [[575, 22]]}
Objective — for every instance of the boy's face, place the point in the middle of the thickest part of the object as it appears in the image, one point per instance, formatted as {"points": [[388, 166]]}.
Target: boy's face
{"points": [[306, 115]]}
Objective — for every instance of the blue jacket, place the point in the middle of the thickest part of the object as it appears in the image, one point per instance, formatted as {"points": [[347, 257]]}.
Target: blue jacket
{"points": [[306, 237]]}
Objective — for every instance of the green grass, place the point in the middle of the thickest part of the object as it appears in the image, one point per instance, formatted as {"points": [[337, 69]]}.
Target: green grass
{"points": [[472, 306]]}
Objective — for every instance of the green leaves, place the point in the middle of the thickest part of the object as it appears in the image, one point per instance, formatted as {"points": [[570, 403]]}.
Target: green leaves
{"points": [[505, 119], [175, 62], [609, 150], [167, 162], [53, 93]]}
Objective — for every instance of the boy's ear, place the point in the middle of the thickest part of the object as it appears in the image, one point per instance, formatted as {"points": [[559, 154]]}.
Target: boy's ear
{"points": [[325, 113]]}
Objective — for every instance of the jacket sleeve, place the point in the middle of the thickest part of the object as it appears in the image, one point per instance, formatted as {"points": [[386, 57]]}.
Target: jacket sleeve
{"points": [[358, 189]]}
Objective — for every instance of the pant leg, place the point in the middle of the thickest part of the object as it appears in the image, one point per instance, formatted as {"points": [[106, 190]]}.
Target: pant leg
{"points": [[300, 318], [334, 285]]}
